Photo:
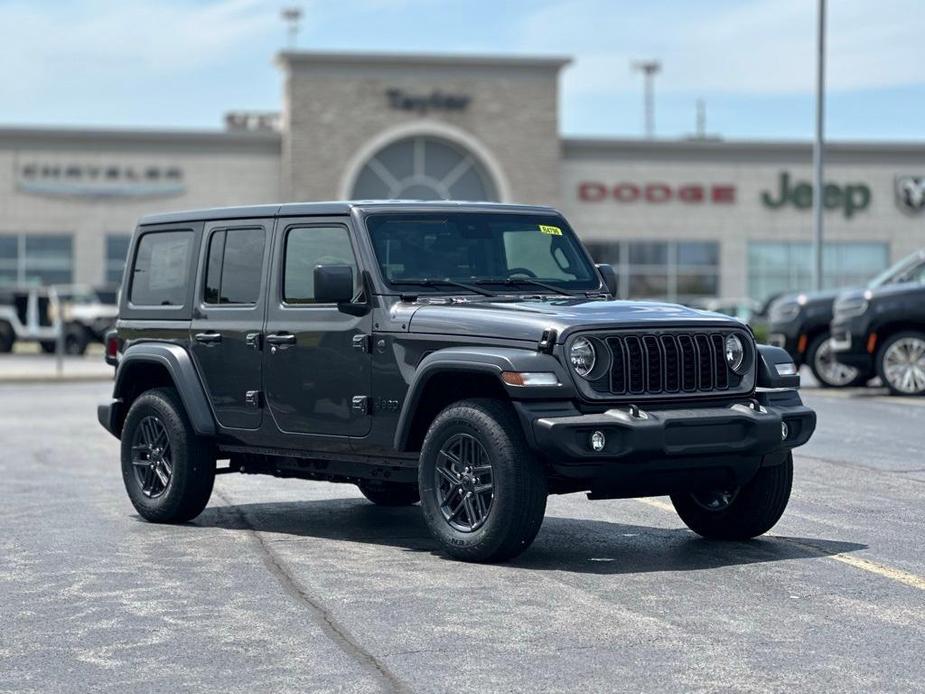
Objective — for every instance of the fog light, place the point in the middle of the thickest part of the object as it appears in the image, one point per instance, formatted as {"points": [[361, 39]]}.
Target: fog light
{"points": [[598, 441], [784, 431]]}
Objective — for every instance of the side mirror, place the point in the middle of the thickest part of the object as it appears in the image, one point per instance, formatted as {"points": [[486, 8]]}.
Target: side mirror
{"points": [[609, 275], [333, 284]]}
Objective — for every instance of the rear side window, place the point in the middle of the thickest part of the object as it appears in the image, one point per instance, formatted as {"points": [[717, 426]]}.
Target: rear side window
{"points": [[234, 266], [159, 276], [310, 246]]}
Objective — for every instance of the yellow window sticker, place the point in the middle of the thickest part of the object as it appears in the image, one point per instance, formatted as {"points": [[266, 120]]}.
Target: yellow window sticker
{"points": [[551, 230]]}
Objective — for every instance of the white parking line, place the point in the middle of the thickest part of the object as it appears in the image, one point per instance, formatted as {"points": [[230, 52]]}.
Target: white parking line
{"points": [[882, 570]]}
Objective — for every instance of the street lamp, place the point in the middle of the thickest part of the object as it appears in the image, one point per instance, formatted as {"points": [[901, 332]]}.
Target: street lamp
{"points": [[818, 150], [648, 68]]}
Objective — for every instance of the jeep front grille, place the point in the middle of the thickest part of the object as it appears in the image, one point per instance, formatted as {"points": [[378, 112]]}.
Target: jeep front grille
{"points": [[677, 362]]}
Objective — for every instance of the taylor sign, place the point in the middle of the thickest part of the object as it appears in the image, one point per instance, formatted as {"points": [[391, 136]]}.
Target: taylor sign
{"points": [[657, 193]]}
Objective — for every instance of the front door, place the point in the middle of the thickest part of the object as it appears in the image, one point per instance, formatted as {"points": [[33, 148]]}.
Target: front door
{"points": [[225, 334], [316, 366]]}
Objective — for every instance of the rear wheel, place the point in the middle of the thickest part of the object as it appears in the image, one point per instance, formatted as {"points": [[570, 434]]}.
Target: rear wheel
{"points": [[738, 513], [901, 363], [830, 373], [7, 338], [390, 493], [167, 469], [483, 492]]}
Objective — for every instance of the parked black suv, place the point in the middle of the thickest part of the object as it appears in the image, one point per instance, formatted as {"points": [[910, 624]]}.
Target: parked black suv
{"points": [[882, 330], [801, 324], [469, 356]]}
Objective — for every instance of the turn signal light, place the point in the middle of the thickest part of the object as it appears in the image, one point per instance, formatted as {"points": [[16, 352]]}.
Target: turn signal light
{"points": [[529, 378]]}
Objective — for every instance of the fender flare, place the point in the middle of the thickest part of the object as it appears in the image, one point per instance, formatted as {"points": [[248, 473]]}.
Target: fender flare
{"points": [[179, 365], [768, 377], [486, 360]]}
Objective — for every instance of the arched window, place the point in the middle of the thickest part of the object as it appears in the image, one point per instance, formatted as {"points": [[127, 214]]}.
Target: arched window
{"points": [[423, 168]]}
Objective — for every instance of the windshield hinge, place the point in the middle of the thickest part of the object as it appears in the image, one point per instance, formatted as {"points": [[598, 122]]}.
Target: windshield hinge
{"points": [[547, 342]]}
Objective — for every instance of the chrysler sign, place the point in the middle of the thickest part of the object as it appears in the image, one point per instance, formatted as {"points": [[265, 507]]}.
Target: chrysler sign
{"points": [[100, 180], [657, 193]]}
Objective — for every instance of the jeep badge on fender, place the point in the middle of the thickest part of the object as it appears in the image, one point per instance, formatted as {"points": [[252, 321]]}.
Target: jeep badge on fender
{"points": [[467, 356]]}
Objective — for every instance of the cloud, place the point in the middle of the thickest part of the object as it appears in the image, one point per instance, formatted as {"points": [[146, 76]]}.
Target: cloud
{"points": [[759, 47]]}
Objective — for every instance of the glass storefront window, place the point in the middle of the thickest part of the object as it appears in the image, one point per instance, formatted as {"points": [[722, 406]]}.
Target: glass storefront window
{"points": [[785, 267], [36, 259], [672, 270]]}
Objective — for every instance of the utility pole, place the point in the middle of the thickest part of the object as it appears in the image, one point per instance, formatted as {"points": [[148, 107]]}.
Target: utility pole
{"points": [[701, 129], [292, 16], [648, 68], [818, 151]]}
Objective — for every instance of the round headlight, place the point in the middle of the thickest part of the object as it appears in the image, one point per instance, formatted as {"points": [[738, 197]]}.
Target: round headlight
{"points": [[582, 356], [735, 353]]}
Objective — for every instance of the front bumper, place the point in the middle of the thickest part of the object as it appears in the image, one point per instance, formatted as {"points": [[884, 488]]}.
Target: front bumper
{"points": [[743, 428], [849, 345]]}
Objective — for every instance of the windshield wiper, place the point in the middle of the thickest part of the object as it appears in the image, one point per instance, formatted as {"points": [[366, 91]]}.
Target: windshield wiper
{"points": [[431, 282], [508, 281]]}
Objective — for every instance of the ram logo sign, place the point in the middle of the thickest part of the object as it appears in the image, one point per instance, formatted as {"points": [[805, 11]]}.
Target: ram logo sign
{"points": [[910, 193]]}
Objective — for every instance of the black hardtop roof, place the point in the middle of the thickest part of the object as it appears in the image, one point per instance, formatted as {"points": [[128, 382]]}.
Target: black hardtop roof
{"points": [[307, 209]]}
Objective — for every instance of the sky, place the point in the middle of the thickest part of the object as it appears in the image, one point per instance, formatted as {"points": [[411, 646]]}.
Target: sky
{"points": [[184, 63]]}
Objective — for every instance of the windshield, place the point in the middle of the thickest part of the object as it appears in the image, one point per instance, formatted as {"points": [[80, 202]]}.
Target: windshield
{"points": [[897, 272], [443, 251]]}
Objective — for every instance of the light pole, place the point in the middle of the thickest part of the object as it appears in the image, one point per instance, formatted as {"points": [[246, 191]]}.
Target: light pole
{"points": [[648, 68], [292, 16], [818, 150]]}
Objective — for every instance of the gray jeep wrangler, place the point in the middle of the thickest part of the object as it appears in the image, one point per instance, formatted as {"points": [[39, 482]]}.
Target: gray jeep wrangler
{"points": [[469, 357]]}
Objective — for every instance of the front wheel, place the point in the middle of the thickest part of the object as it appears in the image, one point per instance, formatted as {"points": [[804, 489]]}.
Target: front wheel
{"points": [[738, 513], [168, 470], [901, 363], [830, 373], [483, 492]]}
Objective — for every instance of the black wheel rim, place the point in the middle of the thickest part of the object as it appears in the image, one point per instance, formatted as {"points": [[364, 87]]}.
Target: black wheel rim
{"points": [[152, 458], [463, 483], [715, 499]]}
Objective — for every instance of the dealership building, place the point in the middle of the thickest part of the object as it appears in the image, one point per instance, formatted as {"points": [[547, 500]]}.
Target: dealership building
{"points": [[678, 218]]}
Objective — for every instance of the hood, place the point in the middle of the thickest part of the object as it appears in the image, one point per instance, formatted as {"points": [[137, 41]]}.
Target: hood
{"points": [[887, 291], [527, 319], [825, 296]]}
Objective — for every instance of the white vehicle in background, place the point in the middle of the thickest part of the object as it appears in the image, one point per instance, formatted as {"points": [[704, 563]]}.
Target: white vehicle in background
{"points": [[29, 314], [86, 313], [37, 314]]}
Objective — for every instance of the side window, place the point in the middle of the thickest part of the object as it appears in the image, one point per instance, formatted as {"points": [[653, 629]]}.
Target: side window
{"points": [[159, 275], [307, 247], [234, 266]]}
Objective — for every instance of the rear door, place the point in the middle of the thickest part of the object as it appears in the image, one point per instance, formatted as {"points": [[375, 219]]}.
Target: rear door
{"points": [[226, 332], [316, 363]]}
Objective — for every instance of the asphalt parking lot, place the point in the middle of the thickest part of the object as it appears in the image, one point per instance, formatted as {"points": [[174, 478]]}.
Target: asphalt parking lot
{"points": [[298, 586]]}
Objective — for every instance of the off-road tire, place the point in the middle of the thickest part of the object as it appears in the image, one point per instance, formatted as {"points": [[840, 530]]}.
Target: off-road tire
{"points": [[390, 493], [7, 338], [880, 361], [814, 346], [755, 509], [193, 463], [518, 501], [76, 339]]}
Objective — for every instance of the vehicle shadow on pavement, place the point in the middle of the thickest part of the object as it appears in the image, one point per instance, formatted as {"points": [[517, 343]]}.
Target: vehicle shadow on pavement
{"points": [[563, 544]]}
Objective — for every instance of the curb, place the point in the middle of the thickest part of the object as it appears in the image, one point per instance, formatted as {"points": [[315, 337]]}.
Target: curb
{"points": [[39, 379]]}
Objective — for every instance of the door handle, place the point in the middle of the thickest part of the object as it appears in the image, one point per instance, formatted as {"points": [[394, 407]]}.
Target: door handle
{"points": [[208, 338], [280, 339]]}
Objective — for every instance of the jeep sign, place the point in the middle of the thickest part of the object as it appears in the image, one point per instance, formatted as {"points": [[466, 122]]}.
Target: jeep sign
{"points": [[850, 198]]}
